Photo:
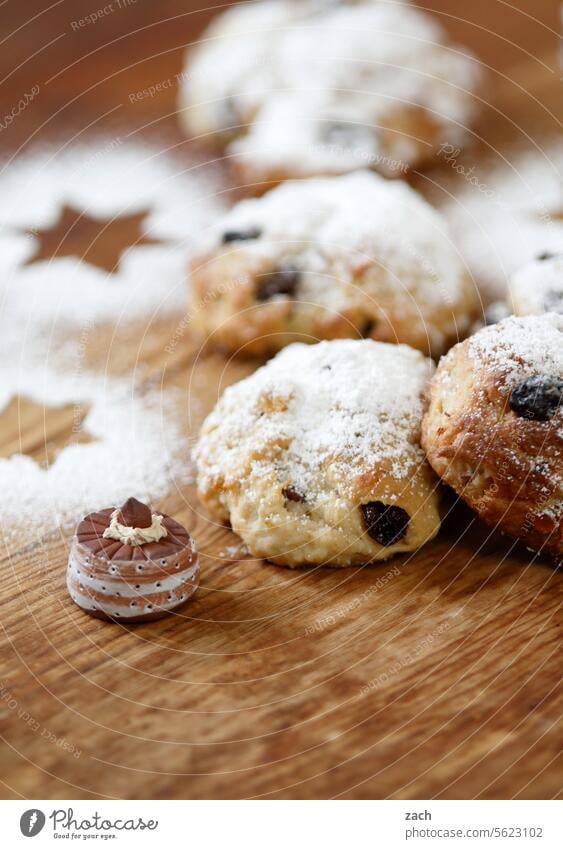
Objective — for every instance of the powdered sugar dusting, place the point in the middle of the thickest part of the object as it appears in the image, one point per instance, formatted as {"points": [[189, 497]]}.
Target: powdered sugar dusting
{"points": [[518, 348], [332, 226], [290, 67], [538, 286], [136, 449], [103, 180], [351, 404], [49, 309], [507, 213]]}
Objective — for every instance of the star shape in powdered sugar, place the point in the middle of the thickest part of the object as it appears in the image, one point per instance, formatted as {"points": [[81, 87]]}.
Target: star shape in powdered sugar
{"points": [[97, 241], [41, 431]]}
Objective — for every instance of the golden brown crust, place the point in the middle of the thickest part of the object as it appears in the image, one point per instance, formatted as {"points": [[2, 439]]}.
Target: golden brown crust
{"points": [[507, 467], [227, 313]]}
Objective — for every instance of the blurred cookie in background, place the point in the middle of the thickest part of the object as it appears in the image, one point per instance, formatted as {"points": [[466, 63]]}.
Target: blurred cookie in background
{"points": [[296, 89], [330, 258]]}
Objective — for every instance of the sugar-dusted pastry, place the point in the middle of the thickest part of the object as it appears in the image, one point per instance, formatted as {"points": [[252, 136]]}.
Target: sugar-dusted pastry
{"points": [[130, 565], [537, 287], [299, 88], [316, 459], [494, 427], [337, 257]]}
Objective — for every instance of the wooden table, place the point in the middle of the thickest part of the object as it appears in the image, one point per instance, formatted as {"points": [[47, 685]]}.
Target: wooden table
{"points": [[435, 675]]}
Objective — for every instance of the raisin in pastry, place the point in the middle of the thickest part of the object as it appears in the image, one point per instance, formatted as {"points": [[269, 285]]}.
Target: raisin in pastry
{"points": [[316, 458], [494, 427], [328, 258]]}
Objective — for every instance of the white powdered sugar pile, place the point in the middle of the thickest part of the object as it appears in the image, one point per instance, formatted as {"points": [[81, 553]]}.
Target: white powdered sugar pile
{"points": [[108, 178], [518, 348], [350, 404], [137, 448], [280, 72], [505, 214], [335, 226], [104, 181]]}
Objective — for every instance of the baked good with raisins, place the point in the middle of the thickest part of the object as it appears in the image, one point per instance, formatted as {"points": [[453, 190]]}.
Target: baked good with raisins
{"points": [[316, 459], [327, 258], [494, 427], [300, 88]]}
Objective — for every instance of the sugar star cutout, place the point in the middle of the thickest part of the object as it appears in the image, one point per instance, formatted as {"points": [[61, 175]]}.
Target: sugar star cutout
{"points": [[41, 431], [97, 241]]}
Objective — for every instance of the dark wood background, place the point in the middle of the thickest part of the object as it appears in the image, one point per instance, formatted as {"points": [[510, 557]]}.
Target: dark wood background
{"points": [[444, 682]]}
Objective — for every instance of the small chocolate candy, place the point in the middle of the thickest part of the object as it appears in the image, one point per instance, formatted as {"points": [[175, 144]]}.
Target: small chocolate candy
{"points": [[283, 282], [241, 235], [385, 523], [134, 514], [131, 582], [537, 398]]}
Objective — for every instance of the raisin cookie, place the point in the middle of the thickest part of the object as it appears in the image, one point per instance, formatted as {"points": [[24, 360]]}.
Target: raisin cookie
{"points": [[326, 258], [298, 88], [494, 427], [316, 457], [538, 286]]}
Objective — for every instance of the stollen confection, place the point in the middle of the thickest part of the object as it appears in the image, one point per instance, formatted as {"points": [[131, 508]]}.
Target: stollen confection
{"points": [[327, 258], [494, 427], [316, 459], [299, 88]]}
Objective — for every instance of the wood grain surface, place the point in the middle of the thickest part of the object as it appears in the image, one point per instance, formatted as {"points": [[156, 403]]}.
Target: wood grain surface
{"points": [[434, 675]]}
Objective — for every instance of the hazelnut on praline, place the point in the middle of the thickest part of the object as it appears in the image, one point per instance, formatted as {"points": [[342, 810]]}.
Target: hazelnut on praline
{"points": [[135, 514]]}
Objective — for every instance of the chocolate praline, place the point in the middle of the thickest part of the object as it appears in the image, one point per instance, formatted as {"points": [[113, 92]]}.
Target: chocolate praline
{"points": [[131, 583]]}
